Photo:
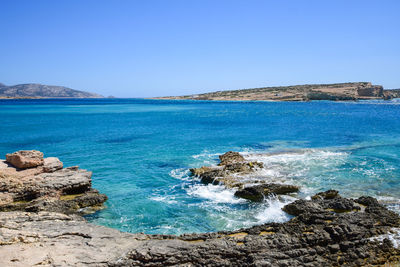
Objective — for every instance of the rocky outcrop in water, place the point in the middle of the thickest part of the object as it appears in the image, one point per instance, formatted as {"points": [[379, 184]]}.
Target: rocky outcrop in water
{"points": [[29, 182], [234, 171], [258, 192], [327, 230], [229, 171]]}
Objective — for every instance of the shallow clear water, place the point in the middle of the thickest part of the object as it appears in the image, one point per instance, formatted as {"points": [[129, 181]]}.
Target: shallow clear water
{"points": [[140, 152]]}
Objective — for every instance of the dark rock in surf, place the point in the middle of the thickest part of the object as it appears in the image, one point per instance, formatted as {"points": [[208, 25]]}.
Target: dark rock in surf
{"points": [[328, 201], [259, 192]]}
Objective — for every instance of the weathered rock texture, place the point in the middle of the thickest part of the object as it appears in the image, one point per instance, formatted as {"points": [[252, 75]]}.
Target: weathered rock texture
{"points": [[56, 239], [316, 236], [30, 183], [25, 159], [52, 164], [337, 91]]}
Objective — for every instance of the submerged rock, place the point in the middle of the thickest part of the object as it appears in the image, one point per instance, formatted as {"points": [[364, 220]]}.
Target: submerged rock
{"points": [[47, 186]]}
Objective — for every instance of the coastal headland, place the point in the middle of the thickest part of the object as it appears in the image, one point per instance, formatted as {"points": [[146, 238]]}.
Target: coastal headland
{"points": [[41, 223], [37, 91], [336, 92]]}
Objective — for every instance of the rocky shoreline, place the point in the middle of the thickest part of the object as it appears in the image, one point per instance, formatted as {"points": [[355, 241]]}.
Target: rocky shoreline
{"points": [[41, 224]]}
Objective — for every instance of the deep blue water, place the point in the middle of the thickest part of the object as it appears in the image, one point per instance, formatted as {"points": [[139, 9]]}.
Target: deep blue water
{"points": [[140, 151]]}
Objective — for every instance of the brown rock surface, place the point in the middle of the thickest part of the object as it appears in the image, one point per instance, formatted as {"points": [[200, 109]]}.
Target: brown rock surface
{"points": [[231, 157], [52, 164], [25, 159], [46, 187], [56, 239]]}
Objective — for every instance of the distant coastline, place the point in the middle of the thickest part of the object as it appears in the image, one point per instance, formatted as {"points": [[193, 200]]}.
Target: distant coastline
{"points": [[42, 97], [334, 92], [38, 91]]}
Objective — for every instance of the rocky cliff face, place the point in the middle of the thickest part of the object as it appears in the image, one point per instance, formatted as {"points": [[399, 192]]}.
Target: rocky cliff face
{"points": [[370, 90], [327, 230], [393, 93], [40, 90]]}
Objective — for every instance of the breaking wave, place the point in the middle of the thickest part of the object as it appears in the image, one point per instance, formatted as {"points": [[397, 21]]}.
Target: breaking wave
{"points": [[312, 169]]}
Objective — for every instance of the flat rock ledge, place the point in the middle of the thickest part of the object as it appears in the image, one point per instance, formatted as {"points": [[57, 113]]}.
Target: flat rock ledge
{"points": [[327, 230]]}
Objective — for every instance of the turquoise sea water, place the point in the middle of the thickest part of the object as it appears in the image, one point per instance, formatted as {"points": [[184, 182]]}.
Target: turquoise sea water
{"points": [[140, 152]]}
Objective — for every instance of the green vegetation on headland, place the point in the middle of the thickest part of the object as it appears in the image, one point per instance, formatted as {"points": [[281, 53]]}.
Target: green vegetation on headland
{"points": [[336, 91]]}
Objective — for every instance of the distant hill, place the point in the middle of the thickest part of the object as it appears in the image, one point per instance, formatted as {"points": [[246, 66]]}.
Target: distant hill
{"points": [[35, 90], [336, 91]]}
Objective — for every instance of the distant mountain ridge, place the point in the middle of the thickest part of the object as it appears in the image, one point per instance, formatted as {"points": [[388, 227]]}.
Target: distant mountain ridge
{"points": [[35, 90]]}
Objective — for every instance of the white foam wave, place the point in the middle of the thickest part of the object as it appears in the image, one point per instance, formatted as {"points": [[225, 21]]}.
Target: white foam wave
{"points": [[205, 155], [302, 155], [388, 199], [290, 165], [394, 237], [273, 211], [214, 193], [181, 174], [392, 203], [165, 199]]}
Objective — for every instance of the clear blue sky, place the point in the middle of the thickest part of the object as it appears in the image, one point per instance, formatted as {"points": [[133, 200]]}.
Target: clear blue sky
{"points": [[154, 48]]}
